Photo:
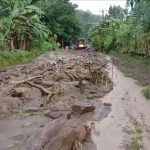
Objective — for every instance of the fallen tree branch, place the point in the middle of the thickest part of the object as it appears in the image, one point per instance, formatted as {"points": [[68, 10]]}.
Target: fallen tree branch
{"points": [[102, 66], [47, 69], [54, 63], [23, 81], [49, 83], [44, 90]]}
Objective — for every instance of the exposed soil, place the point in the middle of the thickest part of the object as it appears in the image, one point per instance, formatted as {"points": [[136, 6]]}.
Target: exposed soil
{"points": [[127, 126], [56, 92], [52, 103]]}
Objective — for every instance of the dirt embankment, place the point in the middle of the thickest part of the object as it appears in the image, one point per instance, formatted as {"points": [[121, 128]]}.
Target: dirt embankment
{"points": [[63, 89]]}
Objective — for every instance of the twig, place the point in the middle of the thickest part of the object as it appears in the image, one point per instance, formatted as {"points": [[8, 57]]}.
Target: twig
{"points": [[48, 97], [44, 90], [47, 69], [23, 81], [102, 66]]}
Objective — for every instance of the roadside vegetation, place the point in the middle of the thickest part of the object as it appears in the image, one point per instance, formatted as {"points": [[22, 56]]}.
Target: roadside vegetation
{"points": [[123, 30], [28, 28], [136, 140], [31, 27], [125, 33], [146, 92]]}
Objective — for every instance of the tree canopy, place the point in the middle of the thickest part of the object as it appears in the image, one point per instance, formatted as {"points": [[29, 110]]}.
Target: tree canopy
{"points": [[88, 20], [124, 31], [23, 22]]}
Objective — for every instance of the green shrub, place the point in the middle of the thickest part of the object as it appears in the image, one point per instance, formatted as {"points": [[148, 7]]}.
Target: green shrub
{"points": [[146, 92]]}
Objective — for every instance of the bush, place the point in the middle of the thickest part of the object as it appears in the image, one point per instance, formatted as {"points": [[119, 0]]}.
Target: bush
{"points": [[146, 92]]}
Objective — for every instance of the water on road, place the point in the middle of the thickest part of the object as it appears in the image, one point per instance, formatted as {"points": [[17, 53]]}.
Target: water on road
{"points": [[129, 109]]}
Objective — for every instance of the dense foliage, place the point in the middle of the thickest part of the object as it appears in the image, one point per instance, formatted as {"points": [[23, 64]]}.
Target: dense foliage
{"points": [[125, 32], [88, 20], [25, 24], [20, 23], [60, 17]]}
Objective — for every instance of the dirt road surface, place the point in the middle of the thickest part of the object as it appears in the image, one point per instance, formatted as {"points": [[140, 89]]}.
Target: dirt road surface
{"points": [[128, 124]]}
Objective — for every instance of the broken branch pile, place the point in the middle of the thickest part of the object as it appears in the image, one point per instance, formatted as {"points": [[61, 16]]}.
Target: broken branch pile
{"points": [[60, 79]]}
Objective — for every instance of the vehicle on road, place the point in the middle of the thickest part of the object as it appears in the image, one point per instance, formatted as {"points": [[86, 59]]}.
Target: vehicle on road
{"points": [[80, 44]]}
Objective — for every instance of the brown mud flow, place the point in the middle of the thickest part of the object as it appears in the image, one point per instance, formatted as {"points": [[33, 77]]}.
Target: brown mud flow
{"points": [[127, 126], [52, 102]]}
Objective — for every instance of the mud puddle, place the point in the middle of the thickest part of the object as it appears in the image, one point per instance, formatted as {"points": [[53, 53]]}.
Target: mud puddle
{"points": [[129, 110]]}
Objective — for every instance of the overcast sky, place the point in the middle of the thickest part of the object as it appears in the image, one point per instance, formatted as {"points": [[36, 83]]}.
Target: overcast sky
{"points": [[96, 6]]}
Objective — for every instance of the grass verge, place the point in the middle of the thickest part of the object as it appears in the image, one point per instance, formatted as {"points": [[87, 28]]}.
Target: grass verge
{"points": [[9, 58], [136, 140], [146, 92]]}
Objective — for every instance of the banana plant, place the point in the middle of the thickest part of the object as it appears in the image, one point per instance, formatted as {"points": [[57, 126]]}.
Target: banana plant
{"points": [[24, 23]]}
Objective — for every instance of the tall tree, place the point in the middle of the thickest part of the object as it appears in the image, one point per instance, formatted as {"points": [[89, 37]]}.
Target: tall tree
{"points": [[60, 17], [116, 12], [19, 22]]}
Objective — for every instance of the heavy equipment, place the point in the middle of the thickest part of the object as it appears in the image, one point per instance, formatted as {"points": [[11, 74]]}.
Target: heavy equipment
{"points": [[80, 44]]}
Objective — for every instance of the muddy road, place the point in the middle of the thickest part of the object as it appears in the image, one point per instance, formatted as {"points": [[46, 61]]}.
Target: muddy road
{"points": [[67, 93], [54, 88], [128, 124]]}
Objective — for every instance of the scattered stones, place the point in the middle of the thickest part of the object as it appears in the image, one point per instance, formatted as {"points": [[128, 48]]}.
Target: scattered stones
{"points": [[82, 107], [19, 91], [27, 93], [64, 82], [30, 109], [32, 106], [90, 96], [46, 112], [55, 115], [98, 95], [123, 98], [107, 104], [107, 89], [93, 91], [77, 84], [69, 116], [59, 106]]}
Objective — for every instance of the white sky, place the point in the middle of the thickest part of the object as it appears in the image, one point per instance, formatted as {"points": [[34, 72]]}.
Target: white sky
{"points": [[96, 6]]}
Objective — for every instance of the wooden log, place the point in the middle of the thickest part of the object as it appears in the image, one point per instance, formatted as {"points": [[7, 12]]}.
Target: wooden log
{"points": [[23, 81], [44, 90]]}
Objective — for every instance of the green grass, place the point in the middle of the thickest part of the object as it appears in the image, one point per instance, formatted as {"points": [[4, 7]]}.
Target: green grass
{"points": [[146, 92], [136, 140], [9, 58]]}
